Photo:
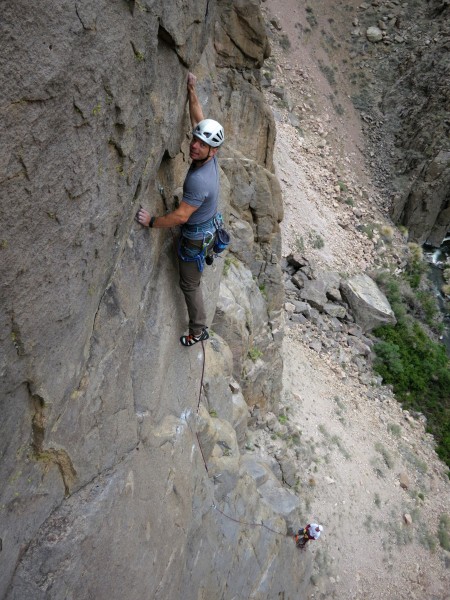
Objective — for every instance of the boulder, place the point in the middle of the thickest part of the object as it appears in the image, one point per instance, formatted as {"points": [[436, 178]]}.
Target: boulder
{"points": [[314, 292], [404, 481], [241, 319], [334, 310], [297, 260], [301, 307], [374, 34], [369, 305]]}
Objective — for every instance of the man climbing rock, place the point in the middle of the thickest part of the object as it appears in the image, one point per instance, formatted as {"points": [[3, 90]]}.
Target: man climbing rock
{"points": [[197, 213], [311, 531]]}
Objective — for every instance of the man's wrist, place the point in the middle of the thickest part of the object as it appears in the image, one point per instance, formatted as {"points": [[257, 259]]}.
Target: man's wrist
{"points": [[152, 221]]}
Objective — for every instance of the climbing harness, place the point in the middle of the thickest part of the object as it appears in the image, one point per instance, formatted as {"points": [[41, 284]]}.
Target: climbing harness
{"points": [[301, 538], [191, 253], [213, 232]]}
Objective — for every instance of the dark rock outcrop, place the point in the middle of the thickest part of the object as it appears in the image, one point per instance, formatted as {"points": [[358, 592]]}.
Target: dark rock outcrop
{"points": [[409, 120]]}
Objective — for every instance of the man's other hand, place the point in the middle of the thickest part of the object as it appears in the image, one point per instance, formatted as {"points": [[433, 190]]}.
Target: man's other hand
{"points": [[143, 217], [191, 81]]}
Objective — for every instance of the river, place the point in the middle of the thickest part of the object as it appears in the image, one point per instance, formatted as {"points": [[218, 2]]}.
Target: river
{"points": [[437, 257]]}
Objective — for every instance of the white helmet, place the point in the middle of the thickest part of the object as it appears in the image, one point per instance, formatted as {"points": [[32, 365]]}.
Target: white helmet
{"points": [[209, 131]]}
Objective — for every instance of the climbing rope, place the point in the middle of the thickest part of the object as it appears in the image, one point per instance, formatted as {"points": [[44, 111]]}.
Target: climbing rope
{"points": [[213, 505]]}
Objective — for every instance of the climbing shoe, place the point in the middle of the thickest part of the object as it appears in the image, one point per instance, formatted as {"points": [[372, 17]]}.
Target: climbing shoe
{"points": [[209, 260], [190, 340]]}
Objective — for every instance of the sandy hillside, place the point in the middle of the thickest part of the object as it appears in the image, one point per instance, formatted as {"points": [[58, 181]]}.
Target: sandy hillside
{"points": [[367, 470]]}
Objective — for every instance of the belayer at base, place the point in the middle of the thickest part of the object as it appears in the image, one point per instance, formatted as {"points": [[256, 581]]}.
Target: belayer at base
{"points": [[311, 531], [197, 213]]}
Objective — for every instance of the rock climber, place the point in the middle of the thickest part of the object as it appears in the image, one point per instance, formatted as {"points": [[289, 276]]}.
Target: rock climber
{"points": [[311, 531], [197, 213]]}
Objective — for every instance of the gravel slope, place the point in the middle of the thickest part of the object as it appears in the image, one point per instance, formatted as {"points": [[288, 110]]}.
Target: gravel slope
{"points": [[356, 442]]}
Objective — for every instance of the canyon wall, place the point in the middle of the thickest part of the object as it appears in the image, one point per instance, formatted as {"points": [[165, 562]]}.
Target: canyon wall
{"points": [[405, 100], [123, 470], [416, 106]]}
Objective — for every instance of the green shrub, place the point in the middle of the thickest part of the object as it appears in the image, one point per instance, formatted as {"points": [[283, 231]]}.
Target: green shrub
{"points": [[263, 290], [316, 240], [230, 260], [310, 17], [285, 42], [299, 243], [387, 456], [328, 71], [419, 371], [368, 229], [429, 306], [416, 266], [443, 532], [394, 429], [254, 353], [427, 540], [387, 233]]}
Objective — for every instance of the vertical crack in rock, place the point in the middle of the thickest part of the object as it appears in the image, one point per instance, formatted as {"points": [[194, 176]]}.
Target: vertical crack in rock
{"points": [[49, 455], [267, 154], [24, 166], [138, 190], [80, 19]]}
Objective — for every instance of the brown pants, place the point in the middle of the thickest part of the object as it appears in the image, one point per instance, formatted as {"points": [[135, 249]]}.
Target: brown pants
{"points": [[190, 279]]}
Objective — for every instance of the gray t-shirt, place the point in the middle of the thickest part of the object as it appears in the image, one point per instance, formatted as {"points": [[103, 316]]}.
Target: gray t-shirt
{"points": [[201, 188]]}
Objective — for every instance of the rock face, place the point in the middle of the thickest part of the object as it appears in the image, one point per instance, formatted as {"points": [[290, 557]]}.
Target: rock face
{"points": [[106, 493], [369, 305], [423, 205], [411, 78]]}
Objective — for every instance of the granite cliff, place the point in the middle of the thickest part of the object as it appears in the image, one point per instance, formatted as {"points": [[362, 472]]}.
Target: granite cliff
{"points": [[121, 474]]}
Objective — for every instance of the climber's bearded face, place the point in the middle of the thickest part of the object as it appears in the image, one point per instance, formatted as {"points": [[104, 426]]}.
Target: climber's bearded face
{"points": [[200, 150]]}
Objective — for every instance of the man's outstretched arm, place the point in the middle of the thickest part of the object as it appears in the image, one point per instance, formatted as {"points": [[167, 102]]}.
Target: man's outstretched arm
{"points": [[179, 216], [195, 108]]}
